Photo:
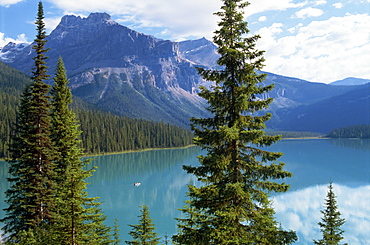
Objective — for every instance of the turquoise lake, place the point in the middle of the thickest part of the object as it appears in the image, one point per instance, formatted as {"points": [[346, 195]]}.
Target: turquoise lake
{"points": [[314, 163]]}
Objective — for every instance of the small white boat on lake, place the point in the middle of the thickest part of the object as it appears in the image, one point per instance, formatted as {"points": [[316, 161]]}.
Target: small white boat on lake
{"points": [[137, 184]]}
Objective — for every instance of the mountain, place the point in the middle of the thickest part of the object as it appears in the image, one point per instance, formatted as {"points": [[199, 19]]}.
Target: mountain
{"points": [[11, 50], [121, 70], [140, 76], [292, 92], [101, 131], [351, 81], [351, 108], [200, 52]]}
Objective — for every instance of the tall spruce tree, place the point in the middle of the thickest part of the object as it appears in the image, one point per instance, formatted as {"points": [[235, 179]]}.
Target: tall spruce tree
{"points": [[31, 194], [76, 213], [143, 233], [232, 204], [331, 221]]}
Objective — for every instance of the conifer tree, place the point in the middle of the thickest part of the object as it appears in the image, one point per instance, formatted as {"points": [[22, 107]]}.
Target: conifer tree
{"points": [[331, 221], [31, 194], [143, 233], [73, 220], [232, 204], [116, 239]]}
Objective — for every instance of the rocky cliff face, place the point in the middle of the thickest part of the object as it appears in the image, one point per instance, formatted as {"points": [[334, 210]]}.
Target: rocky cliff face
{"points": [[97, 42], [115, 67]]}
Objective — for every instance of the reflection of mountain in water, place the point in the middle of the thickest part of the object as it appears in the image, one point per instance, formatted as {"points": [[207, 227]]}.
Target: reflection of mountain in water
{"points": [[358, 144], [146, 162], [163, 185]]}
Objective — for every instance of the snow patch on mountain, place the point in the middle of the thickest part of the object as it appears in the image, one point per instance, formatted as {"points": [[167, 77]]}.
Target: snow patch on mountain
{"points": [[9, 51]]}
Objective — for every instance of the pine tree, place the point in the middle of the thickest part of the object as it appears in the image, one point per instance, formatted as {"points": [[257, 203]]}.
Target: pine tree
{"points": [[73, 221], [232, 204], [143, 233], [116, 239], [30, 196], [331, 221]]}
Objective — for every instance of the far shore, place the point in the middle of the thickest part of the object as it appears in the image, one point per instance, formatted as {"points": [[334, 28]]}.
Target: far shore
{"points": [[184, 147], [132, 151]]}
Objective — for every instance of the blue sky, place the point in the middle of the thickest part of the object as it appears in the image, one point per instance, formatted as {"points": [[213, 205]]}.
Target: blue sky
{"points": [[315, 40]]}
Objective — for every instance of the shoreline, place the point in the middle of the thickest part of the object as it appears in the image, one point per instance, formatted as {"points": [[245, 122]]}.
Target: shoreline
{"points": [[307, 138], [127, 151], [133, 151], [188, 146]]}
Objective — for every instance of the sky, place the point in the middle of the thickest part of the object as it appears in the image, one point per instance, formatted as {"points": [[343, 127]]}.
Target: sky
{"points": [[315, 40]]}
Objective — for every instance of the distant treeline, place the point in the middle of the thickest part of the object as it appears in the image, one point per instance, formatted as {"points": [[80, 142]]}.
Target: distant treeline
{"points": [[102, 132], [293, 134], [355, 131]]}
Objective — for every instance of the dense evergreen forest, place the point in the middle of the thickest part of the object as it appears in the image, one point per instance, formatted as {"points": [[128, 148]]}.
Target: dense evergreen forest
{"points": [[355, 131], [102, 132]]}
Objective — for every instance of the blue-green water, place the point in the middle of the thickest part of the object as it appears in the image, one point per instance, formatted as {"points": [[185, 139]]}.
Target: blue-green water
{"points": [[314, 163]]}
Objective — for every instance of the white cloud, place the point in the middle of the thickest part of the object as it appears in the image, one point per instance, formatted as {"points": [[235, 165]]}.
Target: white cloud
{"points": [[7, 3], [320, 2], [51, 23], [181, 19], [300, 211], [262, 18], [308, 12], [5, 40], [322, 51], [338, 5], [258, 6]]}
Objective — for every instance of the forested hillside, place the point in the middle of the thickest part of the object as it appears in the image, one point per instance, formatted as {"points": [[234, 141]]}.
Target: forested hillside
{"points": [[102, 132], [355, 131]]}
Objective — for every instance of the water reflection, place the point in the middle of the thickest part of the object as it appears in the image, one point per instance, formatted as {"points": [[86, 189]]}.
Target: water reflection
{"points": [[358, 144], [300, 211], [314, 163], [143, 163], [162, 189]]}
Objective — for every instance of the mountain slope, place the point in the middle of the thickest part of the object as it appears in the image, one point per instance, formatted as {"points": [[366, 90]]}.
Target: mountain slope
{"points": [[136, 75], [351, 81], [351, 108], [101, 131], [121, 70]]}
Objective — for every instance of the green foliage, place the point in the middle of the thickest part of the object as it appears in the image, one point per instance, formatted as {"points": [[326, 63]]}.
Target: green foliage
{"points": [[104, 133], [116, 239], [47, 200], [331, 221], [76, 213], [143, 233], [355, 131], [12, 83], [101, 132], [30, 196], [232, 205]]}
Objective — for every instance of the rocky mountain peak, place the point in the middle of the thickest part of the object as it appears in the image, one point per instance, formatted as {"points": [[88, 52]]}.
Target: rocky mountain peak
{"points": [[9, 51], [93, 18], [98, 17], [94, 21]]}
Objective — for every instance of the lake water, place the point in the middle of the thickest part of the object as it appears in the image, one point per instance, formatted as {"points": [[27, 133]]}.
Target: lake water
{"points": [[314, 163]]}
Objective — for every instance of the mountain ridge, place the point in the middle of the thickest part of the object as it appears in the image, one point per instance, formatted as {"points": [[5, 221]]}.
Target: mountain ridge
{"points": [[140, 76], [349, 81]]}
